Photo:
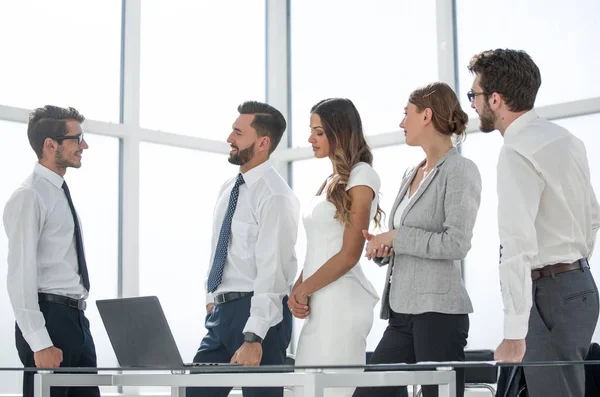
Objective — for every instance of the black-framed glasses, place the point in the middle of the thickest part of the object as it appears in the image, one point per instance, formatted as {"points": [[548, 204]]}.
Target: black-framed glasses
{"points": [[79, 138], [472, 94]]}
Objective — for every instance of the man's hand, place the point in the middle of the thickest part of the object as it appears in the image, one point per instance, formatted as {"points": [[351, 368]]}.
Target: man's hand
{"points": [[510, 351], [249, 354], [209, 308], [50, 357]]}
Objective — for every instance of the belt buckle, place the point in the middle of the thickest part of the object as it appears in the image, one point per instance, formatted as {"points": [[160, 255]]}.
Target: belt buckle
{"points": [[219, 299], [81, 305]]}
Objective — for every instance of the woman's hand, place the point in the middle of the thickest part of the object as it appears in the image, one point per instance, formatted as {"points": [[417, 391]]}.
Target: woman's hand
{"points": [[298, 302], [379, 246]]}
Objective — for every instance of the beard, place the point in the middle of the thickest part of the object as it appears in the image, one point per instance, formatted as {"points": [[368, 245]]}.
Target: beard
{"points": [[487, 119], [61, 161], [242, 156]]}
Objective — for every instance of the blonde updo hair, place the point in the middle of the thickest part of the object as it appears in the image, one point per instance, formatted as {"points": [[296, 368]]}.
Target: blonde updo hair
{"points": [[447, 115]]}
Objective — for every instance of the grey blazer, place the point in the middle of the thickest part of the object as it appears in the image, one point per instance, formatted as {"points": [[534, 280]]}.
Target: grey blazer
{"points": [[433, 237]]}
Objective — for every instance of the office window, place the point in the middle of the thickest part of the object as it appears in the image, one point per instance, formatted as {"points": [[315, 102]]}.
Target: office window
{"points": [[373, 55], [177, 198], [19, 158], [64, 53], [95, 192], [390, 163], [481, 264], [307, 177], [565, 53], [199, 61], [94, 188]]}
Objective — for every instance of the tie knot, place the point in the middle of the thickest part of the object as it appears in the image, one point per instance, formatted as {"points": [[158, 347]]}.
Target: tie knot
{"points": [[240, 180]]}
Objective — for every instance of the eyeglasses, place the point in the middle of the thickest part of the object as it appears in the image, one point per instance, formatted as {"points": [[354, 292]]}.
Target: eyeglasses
{"points": [[472, 94], [79, 138]]}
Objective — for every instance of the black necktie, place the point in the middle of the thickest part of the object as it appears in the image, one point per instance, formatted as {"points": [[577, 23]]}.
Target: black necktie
{"points": [[216, 271], [83, 271]]}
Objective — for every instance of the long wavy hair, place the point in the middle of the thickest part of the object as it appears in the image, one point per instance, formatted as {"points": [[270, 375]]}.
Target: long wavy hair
{"points": [[347, 147]]}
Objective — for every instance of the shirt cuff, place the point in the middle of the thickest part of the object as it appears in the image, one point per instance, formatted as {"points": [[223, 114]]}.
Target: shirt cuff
{"points": [[516, 326], [38, 339], [257, 326]]}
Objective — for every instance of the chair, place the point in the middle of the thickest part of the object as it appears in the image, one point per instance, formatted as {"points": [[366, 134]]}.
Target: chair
{"points": [[592, 372]]}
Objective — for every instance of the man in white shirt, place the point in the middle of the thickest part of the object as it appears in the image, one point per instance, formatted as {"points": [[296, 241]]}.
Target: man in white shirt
{"points": [[253, 262], [548, 217], [48, 279]]}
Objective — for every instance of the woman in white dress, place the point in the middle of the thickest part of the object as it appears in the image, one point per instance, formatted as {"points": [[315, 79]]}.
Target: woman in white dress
{"points": [[332, 292]]}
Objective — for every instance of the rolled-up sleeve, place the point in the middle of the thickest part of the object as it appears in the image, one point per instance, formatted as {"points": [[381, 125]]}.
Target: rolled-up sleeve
{"points": [[519, 192], [23, 225], [461, 204], [275, 262]]}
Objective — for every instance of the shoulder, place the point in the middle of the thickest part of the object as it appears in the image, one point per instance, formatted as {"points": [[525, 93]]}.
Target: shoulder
{"points": [[364, 174], [462, 168], [275, 189], [23, 200]]}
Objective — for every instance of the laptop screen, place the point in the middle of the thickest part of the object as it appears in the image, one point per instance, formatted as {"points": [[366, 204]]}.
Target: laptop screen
{"points": [[139, 332]]}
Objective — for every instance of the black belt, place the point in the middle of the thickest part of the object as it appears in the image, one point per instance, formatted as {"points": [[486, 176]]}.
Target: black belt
{"points": [[557, 268], [231, 296], [78, 304]]}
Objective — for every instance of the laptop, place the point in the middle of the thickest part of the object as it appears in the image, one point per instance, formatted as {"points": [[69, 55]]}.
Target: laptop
{"points": [[140, 334]]}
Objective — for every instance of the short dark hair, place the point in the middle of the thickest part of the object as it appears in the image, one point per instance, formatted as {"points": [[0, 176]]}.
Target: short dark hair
{"points": [[49, 122], [268, 121], [511, 73]]}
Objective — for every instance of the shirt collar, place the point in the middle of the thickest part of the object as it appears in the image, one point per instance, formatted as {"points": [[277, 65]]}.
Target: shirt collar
{"points": [[514, 127], [50, 175], [255, 174]]}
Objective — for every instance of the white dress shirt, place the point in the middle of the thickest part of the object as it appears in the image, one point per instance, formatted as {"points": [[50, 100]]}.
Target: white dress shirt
{"points": [[261, 256], [547, 209], [41, 251]]}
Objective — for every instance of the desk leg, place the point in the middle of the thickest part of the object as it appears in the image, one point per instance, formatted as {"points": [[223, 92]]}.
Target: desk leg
{"points": [[448, 389], [313, 387], [41, 388], [178, 391]]}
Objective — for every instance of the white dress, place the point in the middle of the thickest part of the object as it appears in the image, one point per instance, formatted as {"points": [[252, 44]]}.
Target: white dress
{"points": [[341, 314]]}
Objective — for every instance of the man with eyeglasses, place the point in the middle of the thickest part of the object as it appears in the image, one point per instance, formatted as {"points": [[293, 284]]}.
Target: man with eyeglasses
{"points": [[48, 279], [548, 217]]}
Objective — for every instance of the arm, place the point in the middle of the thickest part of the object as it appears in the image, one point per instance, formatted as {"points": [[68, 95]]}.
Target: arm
{"points": [[23, 225], [461, 203], [298, 282], [519, 192], [275, 254], [595, 220], [352, 244]]}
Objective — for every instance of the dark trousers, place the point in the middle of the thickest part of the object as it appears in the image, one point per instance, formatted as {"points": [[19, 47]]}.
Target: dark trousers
{"points": [[561, 324], [69, 331], [420, 337], [225, 325]]}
